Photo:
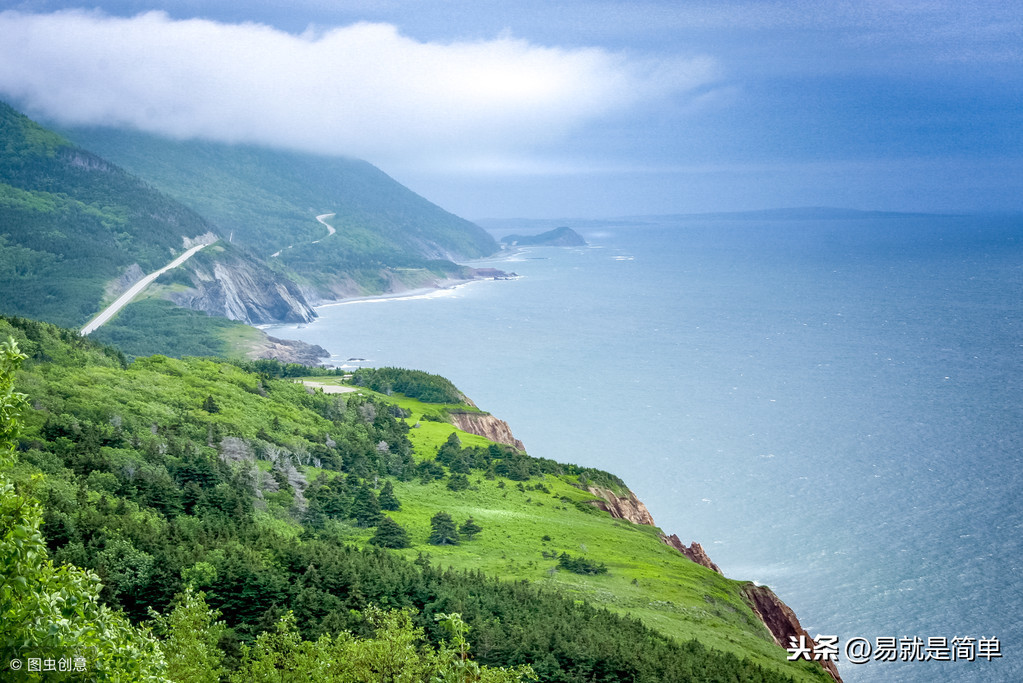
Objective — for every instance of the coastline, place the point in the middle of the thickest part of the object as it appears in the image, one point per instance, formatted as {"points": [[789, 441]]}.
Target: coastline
{"points": [[418, 293]]}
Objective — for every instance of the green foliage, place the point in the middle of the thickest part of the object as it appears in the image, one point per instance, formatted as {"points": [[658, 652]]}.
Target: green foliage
{"points": [[580, 565], [398, 653], [457, 482], [388, 501], [390, 534], [443, 530], [469, 528], [190, 639], [263, 197], [150, 326], [413, 383], [52, 612], [72, 221], [253, 505]]}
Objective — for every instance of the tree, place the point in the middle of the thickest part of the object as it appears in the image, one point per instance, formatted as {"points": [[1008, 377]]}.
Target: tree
{"points": [[458, 482], [443, 531], [580, 565], [390, 534], [387, 499], [192, 634], [210, 406], [365, 506], [470, 528], [53, 612]]}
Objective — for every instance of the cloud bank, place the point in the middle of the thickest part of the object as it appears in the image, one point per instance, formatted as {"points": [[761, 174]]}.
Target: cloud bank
{"points": [[363, 90]]}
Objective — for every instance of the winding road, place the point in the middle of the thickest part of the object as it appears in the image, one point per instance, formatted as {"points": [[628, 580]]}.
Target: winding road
{"points": [[133, 291], [322, 218]]}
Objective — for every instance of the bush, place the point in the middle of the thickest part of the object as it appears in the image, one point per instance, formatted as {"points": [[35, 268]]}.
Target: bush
{"points": [[580, 565]]}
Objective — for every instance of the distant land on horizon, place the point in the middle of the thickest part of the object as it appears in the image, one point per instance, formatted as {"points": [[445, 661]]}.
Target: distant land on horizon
{"points": [[500, 226]]}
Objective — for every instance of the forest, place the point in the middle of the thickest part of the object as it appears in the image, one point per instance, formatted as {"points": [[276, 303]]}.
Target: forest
{"points": [[201, 512]]}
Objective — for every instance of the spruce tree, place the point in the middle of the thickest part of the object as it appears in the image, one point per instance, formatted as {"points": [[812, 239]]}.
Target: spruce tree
{"points": [[365, 506], [458, 482], [387, 499], [470, 528], [390, 534], [443, 531]]}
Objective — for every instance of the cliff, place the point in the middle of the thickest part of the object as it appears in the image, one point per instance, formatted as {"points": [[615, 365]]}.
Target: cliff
{"points": [[778, 617], [288, 351], [694, 552], [486, 425], [781, 621], [629, 508], [228, 283]]}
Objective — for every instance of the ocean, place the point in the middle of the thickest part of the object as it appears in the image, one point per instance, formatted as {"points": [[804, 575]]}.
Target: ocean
{"points": [[830, 406]]}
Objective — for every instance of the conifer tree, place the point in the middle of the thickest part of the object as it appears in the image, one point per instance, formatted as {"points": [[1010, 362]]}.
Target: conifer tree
{"points": [[390, 534], [458, 482], [365, 506], [387, 499], [444, 531], [470, 528]]}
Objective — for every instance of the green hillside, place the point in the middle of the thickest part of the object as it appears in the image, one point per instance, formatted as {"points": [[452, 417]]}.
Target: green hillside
{"points": [[268, 200], [70, 222], [272, 496]]}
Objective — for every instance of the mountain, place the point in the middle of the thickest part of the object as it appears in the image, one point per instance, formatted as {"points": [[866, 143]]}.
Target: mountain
{"points": [[166, 476], [70, 222], [76, 230], [386, 236], [558, 237], [283, 231]]}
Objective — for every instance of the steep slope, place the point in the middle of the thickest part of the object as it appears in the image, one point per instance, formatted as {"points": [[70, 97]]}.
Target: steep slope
{"points": [[268, 200], [71, 221], [263, 493], [76, 230]]}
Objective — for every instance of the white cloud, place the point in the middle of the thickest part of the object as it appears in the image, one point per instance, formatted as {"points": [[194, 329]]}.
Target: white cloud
{"points": [[364, 89]]}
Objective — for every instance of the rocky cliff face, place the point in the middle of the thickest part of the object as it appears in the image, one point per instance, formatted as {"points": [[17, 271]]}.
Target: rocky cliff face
{"points": [[781, 621], [778, 617], [487, 426], [288, 351], [630, 508], [694, 552], [227, 284]]}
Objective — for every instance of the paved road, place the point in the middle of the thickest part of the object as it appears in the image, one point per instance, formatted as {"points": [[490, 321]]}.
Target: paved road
{"points": [[321, 218], [122, 301]]}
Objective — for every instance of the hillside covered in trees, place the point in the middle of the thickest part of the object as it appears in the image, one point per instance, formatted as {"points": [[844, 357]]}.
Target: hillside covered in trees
{"points": [[285, 231], [276, 527], [267, 200]]}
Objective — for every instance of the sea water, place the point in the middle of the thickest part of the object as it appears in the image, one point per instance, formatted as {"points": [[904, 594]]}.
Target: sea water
{"points": [[830, 407]]}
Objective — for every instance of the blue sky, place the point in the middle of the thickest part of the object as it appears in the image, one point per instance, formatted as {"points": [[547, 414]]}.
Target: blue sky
{"points": [[583, 109]]}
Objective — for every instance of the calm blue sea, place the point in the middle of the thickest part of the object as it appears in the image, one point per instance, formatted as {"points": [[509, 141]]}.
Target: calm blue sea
{"points": [[831, 407]]}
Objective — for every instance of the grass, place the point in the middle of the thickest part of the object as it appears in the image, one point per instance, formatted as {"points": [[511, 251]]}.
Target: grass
{"points": [[645, 579]]}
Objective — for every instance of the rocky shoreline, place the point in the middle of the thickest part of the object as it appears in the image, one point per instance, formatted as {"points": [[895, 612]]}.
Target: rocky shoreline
{"points": [[778, 617]]}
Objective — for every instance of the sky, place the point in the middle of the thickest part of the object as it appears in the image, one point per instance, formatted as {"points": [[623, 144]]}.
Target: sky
{"points": [[577, 108]]}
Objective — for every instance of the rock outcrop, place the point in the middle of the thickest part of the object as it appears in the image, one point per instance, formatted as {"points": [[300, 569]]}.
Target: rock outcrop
{"points": [[781, 621], [288, 351], [630, 508], [694, 552], [778, 617], [129, 277], [486, 425], [226, 283]]}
